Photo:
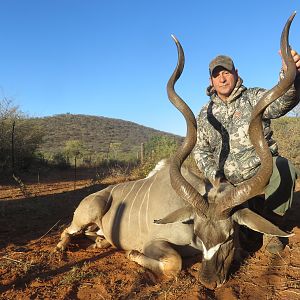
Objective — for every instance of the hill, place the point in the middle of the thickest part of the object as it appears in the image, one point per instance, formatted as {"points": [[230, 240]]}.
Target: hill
{"points": [[96, 133]]}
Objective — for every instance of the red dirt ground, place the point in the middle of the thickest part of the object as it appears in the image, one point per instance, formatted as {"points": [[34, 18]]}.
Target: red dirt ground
{"points": [[29, 269]]}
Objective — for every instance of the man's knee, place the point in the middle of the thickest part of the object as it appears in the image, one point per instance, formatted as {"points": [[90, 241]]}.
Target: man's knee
{"points": [[279, 191]]}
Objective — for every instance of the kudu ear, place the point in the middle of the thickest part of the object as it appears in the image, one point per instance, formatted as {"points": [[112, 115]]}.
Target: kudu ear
{"points": [[257, 223], [183, 214]]}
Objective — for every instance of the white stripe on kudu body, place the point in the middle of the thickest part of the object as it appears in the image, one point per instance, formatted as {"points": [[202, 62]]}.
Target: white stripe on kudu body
{"points": [[132, 204], [141, 216], [119, 209], [148, 198]]}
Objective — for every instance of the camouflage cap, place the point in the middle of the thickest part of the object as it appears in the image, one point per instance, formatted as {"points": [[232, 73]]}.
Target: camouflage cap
{"points": [[221, 61]]}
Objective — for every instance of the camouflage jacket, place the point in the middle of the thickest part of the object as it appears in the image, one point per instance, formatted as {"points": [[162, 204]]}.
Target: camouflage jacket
{"points": [[223, 147]]}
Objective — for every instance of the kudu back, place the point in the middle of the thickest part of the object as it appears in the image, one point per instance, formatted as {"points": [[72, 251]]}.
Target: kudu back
{"points": [[174, 213]]}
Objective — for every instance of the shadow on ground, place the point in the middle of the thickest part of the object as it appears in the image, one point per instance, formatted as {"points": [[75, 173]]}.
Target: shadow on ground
{"points": [[28, 219]]}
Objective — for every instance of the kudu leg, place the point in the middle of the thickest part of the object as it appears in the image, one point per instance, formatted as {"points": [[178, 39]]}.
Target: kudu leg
{"points": [[87, 216], [75, 229], [66, 236], [159, 257], [96, 235]]}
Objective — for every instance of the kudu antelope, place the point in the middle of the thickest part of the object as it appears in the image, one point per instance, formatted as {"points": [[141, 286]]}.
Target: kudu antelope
{"points": [[170, 215]]}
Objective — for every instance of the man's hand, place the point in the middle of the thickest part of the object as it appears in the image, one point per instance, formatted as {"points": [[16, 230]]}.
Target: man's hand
{"points": [[296, 58]]}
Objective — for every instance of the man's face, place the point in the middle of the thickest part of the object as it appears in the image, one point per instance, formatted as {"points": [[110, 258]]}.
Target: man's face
{"points": [[223, 81]]}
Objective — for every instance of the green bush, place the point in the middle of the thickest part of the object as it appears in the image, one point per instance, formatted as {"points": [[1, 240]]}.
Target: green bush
{"points": [[156, 149]]}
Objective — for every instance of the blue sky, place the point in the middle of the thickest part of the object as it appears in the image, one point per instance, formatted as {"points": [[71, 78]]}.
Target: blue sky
{"points": [[114, 58]]}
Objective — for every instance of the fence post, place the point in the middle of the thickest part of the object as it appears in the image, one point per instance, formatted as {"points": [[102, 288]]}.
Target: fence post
{"points": [[142, 153], [13, 147], [75, 173]]}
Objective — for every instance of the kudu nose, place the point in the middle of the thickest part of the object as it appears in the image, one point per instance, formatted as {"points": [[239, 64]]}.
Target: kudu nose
{"points": [[209, 285]]}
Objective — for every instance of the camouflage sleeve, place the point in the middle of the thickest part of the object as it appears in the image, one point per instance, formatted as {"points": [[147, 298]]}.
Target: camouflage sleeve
{"points": [[203, 153], [282, 105]]}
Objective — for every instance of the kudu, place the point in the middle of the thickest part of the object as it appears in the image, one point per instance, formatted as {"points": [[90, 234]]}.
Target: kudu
{"points": [[169, 215]]}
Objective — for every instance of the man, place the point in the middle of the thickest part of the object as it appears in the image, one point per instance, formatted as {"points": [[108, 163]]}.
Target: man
{"points": [[224, 150]]}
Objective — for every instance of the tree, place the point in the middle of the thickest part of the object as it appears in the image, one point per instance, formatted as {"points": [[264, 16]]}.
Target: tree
{"points": [[59, 160], [114, 149], [7, 117], [28, 136], [19, 137], [157, 148], [74, 149], [8, 110]]}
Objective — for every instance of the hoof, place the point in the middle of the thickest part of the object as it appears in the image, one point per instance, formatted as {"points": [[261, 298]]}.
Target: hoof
{"points": [[101, 243], [133, 254], [59, 248]]}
